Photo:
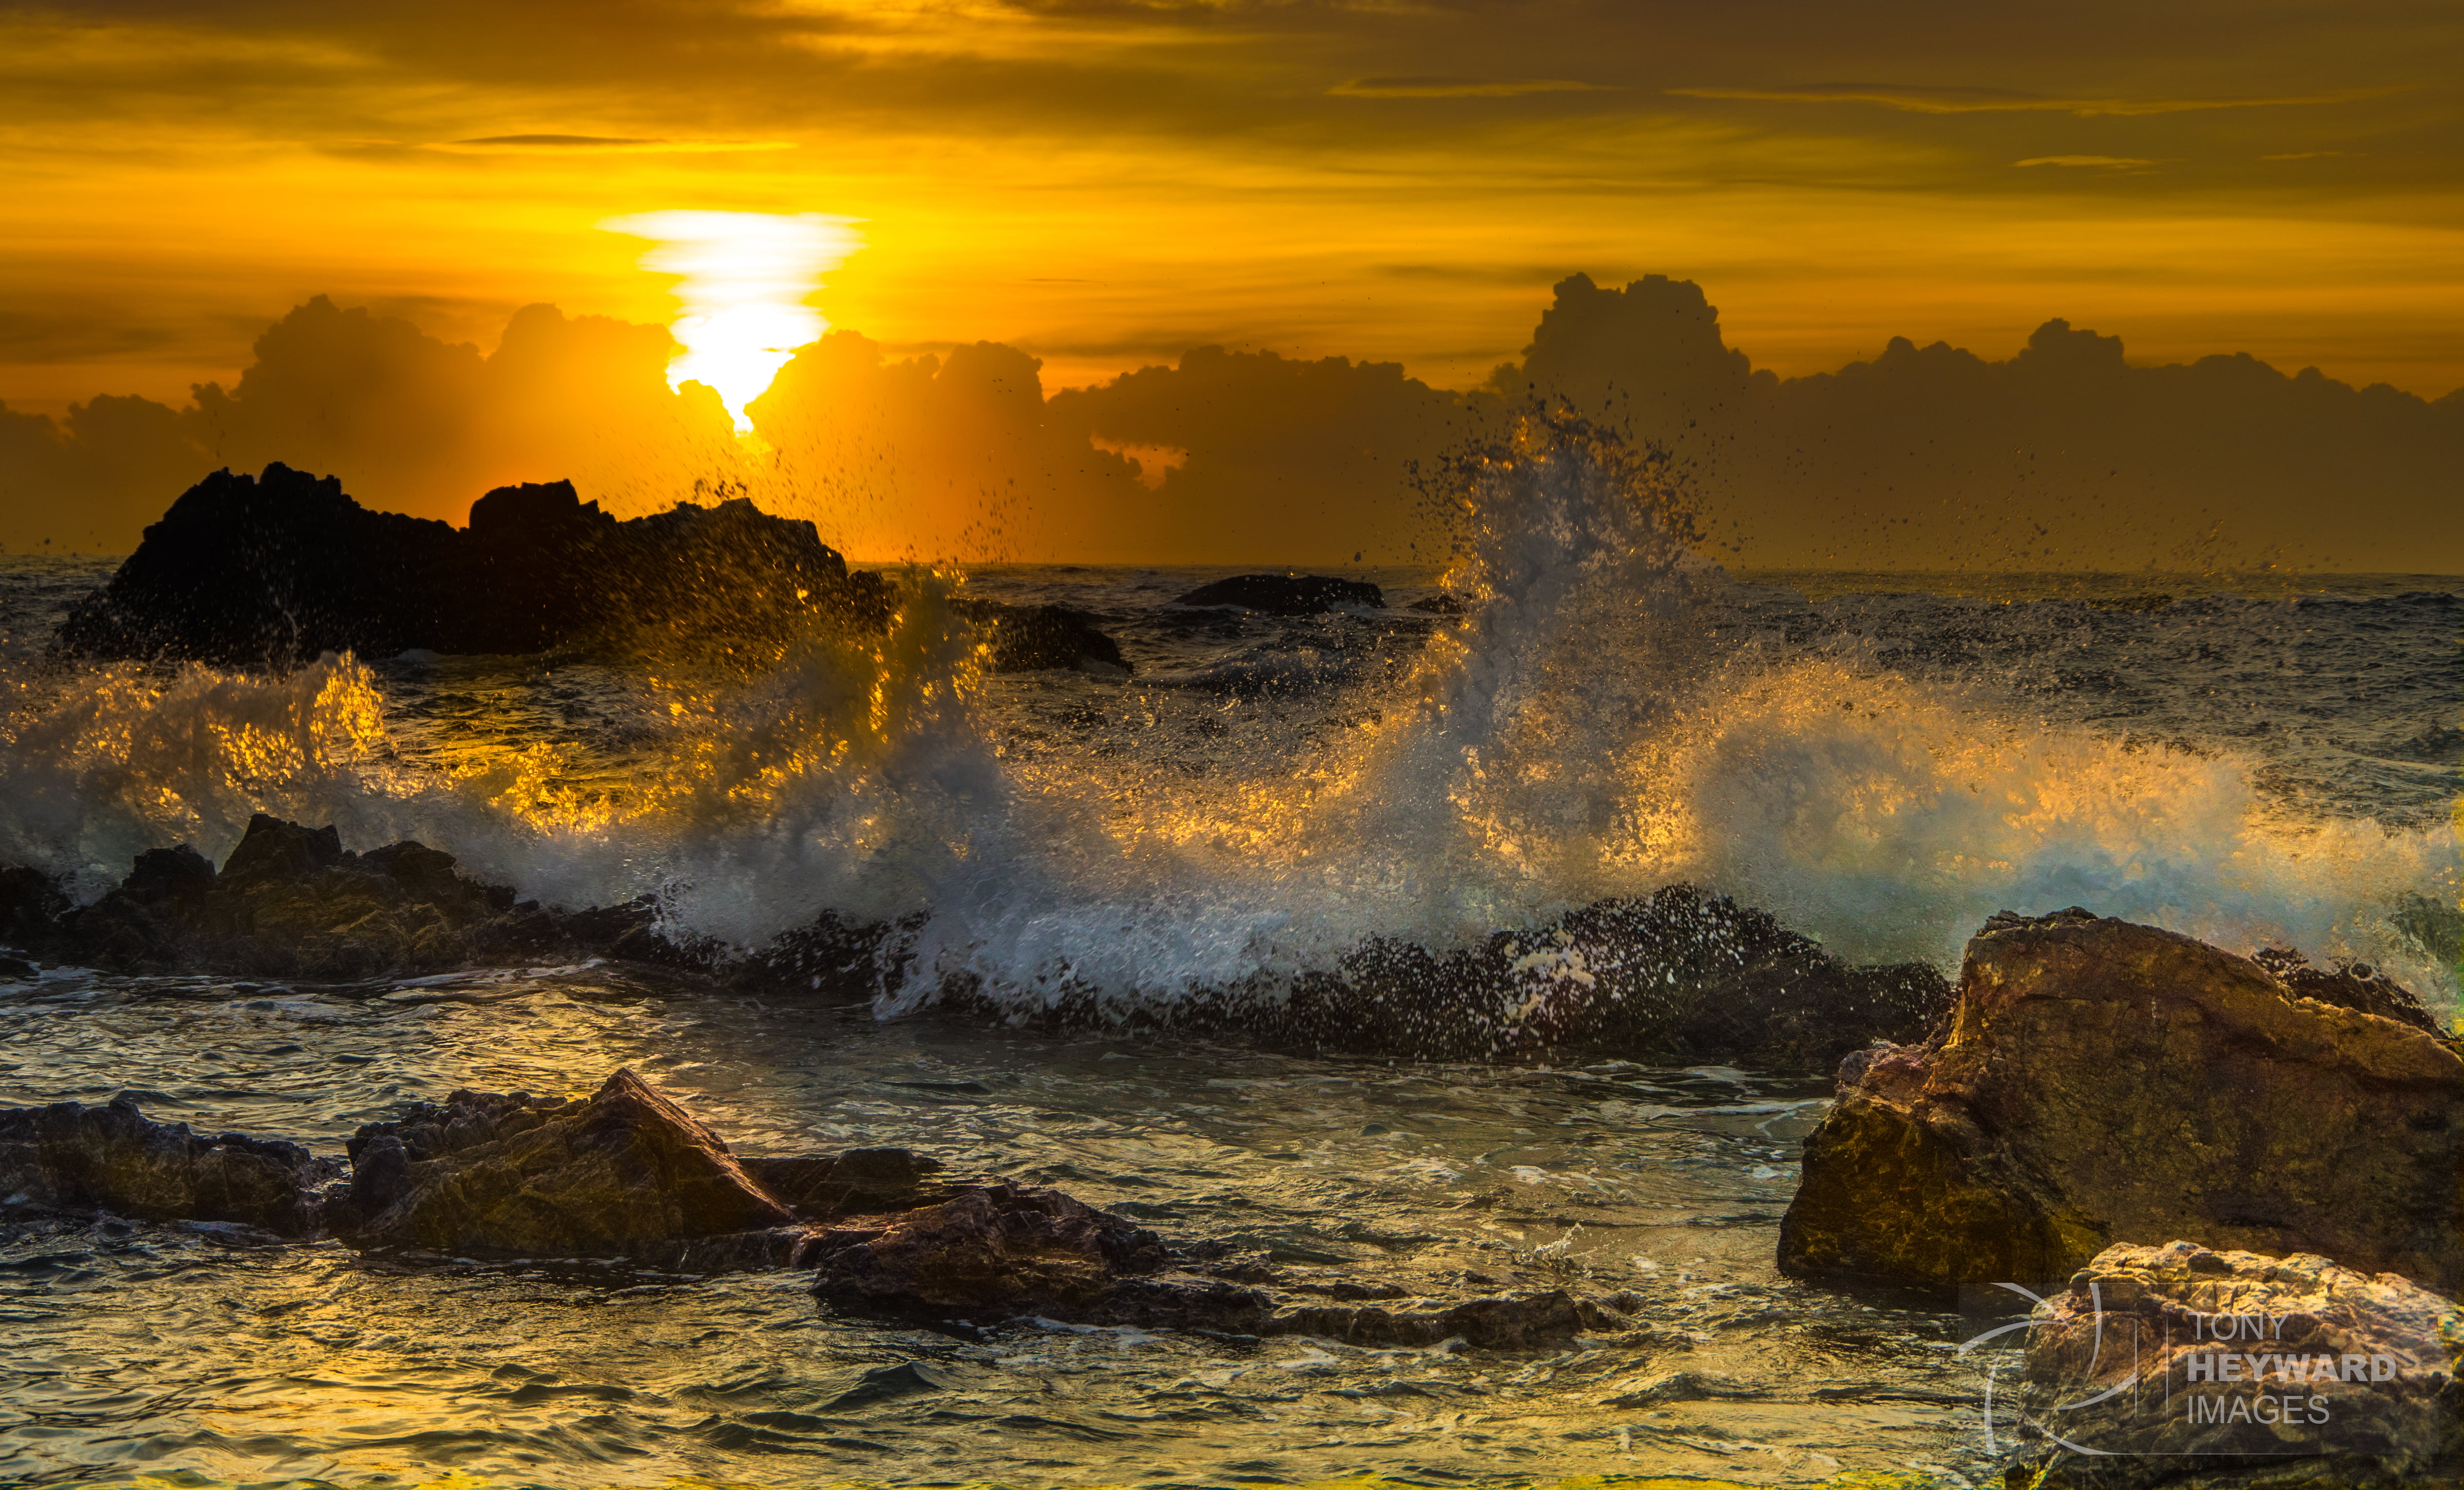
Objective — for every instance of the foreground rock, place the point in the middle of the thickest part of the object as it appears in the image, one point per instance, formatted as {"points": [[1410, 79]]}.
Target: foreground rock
{"points": [[274, 570], [625, 1173], [1285, 595], [2101, 1082], [621, 1173], [69, 1157], [2233, 1368]]}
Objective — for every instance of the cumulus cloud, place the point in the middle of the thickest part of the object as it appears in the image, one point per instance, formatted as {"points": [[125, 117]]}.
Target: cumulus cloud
{"points": [[2062, 455], [1994, 100]]}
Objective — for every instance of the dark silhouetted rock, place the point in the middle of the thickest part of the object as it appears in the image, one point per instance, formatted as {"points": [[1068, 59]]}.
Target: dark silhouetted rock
{"points": [[1678, 977], [2102, 1082], [291, 902], [276, 569], [75, 1158], [1285, 595], [1440, 604], [621, 1173], [1039, 638], [2127, 1365], [817, 1186]]}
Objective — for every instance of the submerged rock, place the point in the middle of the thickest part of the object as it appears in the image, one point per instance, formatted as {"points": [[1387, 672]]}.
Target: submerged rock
{"points": [[1285, 595], [114, 1159], [621, 1173], [999, 1250], [2100, 1083], [276, 569], [2180, 1363], [1042, 638]]}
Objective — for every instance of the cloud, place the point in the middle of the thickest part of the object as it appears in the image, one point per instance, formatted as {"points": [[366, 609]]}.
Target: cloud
{"points": [[2121, 161], [1990, 101], [2061, 456], [609, 143], [1459, 87]]}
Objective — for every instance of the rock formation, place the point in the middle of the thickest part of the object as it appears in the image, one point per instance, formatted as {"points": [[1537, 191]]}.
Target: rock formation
{"points": [[69, 1157], [621, 1173], [1038, 638], [2101, 1082], [2180, 1363], [274, 570], [1285, 595], [626, 1174], [1678, 977]]}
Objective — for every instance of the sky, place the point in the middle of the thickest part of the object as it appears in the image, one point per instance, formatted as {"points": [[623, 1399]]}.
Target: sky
{"points": [[1104, 185]]}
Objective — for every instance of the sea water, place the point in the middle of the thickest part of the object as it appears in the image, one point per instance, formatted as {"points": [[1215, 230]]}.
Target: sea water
{"points": [[1580, 710]]}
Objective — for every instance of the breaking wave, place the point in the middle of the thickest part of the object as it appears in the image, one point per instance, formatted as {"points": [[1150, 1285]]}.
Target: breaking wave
{"points": [[1584, 731]]}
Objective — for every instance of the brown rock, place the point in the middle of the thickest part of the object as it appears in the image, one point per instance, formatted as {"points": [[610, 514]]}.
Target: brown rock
{"points": [[1000, 1250], [623, 1173], [70, 1157], [2233, 1368], [2099, 1082]]}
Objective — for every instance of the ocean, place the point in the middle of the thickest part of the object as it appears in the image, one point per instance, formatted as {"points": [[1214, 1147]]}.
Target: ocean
{"points": [[1572, 709]]}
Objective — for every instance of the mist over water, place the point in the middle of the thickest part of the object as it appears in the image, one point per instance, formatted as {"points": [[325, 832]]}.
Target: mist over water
{"points": [[1607, 715]]}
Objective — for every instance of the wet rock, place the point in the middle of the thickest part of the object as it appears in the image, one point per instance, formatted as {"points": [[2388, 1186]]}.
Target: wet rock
{"points": [[621, 1173], [2349, 985], [75, 1158], [2100, 1083], [1680, 977], [2229, 1368], [1040, 638], [30, 906], [997, 1250], [276, 569], [1440, 604], [291, 902], [818, 1186], [1285, 595]]}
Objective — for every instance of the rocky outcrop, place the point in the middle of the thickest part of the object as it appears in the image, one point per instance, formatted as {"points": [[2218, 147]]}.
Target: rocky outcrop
{"points": [[291, 902], [276, 569], [69, 1157], [1285, 595], [625, 1173], [1043, 638], [2099, 1083], [2179, 1364], [621, 1173], [1680, 977]]}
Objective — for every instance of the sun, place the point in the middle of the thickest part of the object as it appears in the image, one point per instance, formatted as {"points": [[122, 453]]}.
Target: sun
{"points": [[743, 281]]}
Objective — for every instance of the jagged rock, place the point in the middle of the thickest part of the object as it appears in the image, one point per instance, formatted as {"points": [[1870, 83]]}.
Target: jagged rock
{"points": [[621, 1173], [2336, 1379], [1038, 638], [999, 1250], [1680, 977], [71, 1157], [273, 570], [1285, 595], [818, 1186], [2101, 1082], [291, 902], [2349, 985]]}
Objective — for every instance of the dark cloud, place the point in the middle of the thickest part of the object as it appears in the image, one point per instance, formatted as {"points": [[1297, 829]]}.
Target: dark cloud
{"points": [[2062, 456]]}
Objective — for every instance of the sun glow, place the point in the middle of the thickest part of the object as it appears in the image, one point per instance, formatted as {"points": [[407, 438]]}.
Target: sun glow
{"points": [[744, 280]]}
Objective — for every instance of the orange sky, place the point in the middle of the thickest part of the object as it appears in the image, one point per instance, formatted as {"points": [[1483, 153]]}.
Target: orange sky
{"points": [[1105, 182]]}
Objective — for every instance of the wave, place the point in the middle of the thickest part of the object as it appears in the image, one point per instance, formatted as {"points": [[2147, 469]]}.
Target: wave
{"points": [[1581, 733]]}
